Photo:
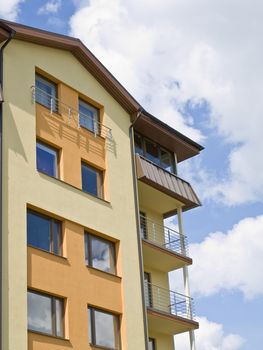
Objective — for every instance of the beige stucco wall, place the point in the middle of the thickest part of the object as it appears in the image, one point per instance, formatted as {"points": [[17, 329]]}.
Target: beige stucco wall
{"points": [[23, 184]]}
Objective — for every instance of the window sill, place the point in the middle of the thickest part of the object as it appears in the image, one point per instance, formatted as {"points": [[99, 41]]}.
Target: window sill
{"points": [[48, 335], [72, 186], [46, 251], [103, 272], [102, 347]]}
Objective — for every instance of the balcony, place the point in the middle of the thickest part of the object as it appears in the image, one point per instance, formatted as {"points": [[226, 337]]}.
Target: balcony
{"points": [[164, 249], [168, 312], [74, 117], [163, 188]]}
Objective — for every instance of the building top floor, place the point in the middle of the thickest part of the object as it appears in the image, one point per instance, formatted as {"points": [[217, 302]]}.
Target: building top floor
{"points": [[144, 123]]}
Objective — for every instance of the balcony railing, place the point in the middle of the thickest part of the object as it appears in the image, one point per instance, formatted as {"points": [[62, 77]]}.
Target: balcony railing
{"points": [[163, 236], [169, 302], [74, 116]]}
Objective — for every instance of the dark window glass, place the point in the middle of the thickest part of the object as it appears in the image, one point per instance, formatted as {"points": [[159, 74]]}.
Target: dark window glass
{"points": [[91, 180], [47, 159], [138, 144], [143, 225], [166, 160], [147, 289], [100, 253], [104, 329], [46, 93], [152, 152], [151, 344], [45, 313], [88, 116], [43, 232]]}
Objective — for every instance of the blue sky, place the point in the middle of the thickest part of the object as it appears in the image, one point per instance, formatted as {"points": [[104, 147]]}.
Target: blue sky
{"points": [[196, 65]]}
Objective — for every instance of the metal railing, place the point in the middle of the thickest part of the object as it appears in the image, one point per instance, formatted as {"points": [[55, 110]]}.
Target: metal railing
{"points": [[75, 118], [167, 301], [163, 236]]}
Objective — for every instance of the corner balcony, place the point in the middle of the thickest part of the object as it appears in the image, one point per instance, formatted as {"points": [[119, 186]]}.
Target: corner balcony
{"points": [[163, 188], [169, 312], [164, 249]]}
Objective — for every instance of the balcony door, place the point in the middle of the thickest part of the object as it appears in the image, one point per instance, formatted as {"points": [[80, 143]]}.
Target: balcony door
{"points": [[148, 289]]}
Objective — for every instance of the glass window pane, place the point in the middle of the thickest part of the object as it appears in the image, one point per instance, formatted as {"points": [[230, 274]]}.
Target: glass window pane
{"points": [[87, 257], [90, 326], [88, 116], [102, 254], [45, 92], [166, 160], [91, 180], [39, 312], [105, 329], [138, 144], [151, 344], [38, 231], [46, 160], [57, 237], [152, 152], [59, 317]]}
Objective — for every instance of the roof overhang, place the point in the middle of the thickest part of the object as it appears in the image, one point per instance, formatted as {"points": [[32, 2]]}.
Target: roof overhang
{"points": [[166, 136]]}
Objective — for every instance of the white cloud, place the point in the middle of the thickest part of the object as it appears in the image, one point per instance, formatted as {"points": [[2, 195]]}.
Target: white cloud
{"points": [[230, 261], [51, 7], [210, 336], [9, 9], [169, 52]]}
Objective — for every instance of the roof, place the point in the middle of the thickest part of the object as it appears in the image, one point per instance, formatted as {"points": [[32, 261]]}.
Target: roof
{"points": [[98, 70]]}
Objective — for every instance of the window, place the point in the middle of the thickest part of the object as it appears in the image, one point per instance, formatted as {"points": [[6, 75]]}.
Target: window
{"points": [[91, 180], [151, 344], [100, 253], [44, 232], [47, 159], [155, 153], [143, 225], [46, 93], [147, 289], [88, 116], [104, 329], [45, 314]]}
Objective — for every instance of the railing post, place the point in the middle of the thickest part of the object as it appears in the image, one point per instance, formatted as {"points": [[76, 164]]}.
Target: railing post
{"points": [[186, 277], [154, 232], [69, 116], [78, 121], [51, 105]]}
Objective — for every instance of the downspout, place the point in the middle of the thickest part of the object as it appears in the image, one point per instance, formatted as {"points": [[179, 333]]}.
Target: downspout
{"points": [[137, 215], [11, 34]]}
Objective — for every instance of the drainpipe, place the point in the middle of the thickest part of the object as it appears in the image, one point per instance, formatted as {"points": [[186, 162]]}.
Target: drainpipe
{"points": [[11, 34], [137, 215]]}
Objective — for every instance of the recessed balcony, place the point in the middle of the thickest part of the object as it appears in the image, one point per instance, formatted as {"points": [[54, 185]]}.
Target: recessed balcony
{"points": [[169, 312], [164, 249], [165, 189]]}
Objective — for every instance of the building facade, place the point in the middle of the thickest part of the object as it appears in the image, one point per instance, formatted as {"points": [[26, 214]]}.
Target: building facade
{"points": [[88, 177]]}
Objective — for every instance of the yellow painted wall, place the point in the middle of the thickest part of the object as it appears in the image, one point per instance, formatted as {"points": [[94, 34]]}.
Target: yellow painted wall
{"points": [[24, 185], [163, 341]]}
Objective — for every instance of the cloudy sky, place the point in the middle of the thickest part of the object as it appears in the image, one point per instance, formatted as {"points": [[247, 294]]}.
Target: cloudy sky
{"points": [[197, 65]]}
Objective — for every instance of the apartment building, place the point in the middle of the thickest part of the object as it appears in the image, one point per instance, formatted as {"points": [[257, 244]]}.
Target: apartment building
{"points": [[88, 177]]}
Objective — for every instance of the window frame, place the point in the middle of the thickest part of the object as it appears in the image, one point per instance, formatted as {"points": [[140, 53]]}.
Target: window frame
{"points": [[57, 158], [92, 328], [88, 251], [53, 315], [95, 121], [160, 148], [51, 233], [53, 107], [99, 180]]}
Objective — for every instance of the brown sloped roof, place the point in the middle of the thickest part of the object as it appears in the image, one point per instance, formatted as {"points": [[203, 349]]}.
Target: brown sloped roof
{"points": [[104, 77]]}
